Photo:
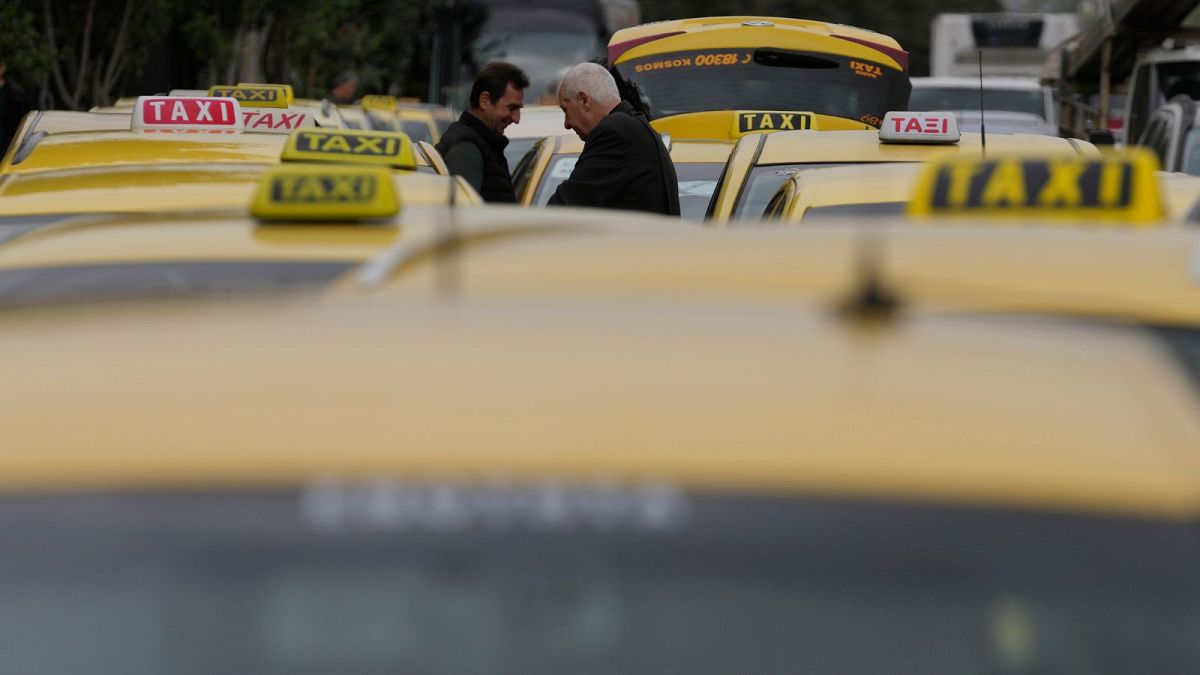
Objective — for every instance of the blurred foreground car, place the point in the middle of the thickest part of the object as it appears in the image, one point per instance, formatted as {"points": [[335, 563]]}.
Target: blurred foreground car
{"points": [[511, 447]]}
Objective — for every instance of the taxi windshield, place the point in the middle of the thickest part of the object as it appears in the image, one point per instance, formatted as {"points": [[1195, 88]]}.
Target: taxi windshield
{"points": [[409, 578], [764, 79]]}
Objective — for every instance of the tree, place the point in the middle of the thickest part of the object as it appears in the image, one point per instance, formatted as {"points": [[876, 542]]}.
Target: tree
{"points": [[93, 47]]}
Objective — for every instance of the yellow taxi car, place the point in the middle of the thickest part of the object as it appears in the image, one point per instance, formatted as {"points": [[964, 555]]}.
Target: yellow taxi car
{"points": [[556, 448], [698, 166], [537, 122], [895, 189], [723, 77], [200, 171], [760, 163]]}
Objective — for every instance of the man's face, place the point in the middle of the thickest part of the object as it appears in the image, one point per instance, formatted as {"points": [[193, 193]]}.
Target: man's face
{"points": [[577, 114], [499, 114]]}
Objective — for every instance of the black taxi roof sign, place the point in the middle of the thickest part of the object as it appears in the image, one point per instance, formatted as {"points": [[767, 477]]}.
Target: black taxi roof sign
{"points": [[312, 192], [763, 121], [166, 113], [253, 95], [1111, 188], [919, 127], [353, 146]]}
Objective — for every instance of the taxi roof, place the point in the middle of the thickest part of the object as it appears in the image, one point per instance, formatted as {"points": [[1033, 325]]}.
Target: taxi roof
{"points": [[108, 148], [144, 188], [779, 395], [795, 147], [780, 28]]}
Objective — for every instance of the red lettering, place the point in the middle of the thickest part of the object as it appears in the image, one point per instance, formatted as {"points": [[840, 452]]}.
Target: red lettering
{"points": [[186, 111], [914, 124], [898, 120]]}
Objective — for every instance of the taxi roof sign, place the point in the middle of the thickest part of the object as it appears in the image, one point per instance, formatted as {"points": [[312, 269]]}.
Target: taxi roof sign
{"points": [[1120, 187], [763, 121], [919, 127], [378, 102], [351, 146], [325, 193], [165, 113], [276, 120], [287, 89], [253, 95]]}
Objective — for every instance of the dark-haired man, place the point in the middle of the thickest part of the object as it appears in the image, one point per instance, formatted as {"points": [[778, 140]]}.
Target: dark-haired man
{"points": [[473, 147]]}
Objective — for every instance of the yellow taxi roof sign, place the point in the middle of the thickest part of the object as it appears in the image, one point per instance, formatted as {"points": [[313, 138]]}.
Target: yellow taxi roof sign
{"points": [[253, 95], [325, 193], [378, 102], [762, 121], [1120, 187], [287, 89], [353, 146]]}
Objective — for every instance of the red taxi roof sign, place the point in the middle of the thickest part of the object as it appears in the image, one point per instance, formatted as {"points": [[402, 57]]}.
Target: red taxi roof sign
{"points": [[202, 113], [919, 127]]}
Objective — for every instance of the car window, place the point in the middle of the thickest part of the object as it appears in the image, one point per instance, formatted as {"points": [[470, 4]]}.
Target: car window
{"points": [[559, 169], [1190, 160], [760, 187], [697, 184], [417, 131], [448, 578], [515, 150], [1156, 138]]}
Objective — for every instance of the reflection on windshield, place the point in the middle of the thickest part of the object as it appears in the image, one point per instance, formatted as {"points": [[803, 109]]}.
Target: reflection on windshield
{"points": [[396, 578]]}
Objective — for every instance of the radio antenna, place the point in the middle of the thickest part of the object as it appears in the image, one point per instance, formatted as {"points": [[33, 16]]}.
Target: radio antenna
{"points": [[982, 125]]}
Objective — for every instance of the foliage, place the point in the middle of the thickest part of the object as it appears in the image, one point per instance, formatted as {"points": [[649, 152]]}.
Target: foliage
{"points": [[21, 48]]}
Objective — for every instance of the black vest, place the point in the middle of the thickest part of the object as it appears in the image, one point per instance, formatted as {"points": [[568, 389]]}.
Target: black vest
{"points": [[497, 181]]}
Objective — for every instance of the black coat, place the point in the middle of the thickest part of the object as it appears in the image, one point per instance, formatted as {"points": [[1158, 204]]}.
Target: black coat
{"points": [[497, 183], [624, 165]]}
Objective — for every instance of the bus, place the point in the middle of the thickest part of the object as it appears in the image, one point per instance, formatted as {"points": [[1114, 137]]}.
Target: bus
{"points": [[723, 77], [542, 37]]}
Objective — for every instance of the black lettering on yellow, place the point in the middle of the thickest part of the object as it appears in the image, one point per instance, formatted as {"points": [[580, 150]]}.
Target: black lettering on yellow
{"points": [[326, 189], [1055, 184]]}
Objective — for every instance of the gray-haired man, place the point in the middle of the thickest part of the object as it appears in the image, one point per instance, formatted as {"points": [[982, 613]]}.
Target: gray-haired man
{"points": [[624, 164]]}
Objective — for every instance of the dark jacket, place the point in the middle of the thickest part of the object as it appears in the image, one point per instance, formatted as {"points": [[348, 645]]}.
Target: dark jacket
{"points": [[496, 184], [624, 165]]}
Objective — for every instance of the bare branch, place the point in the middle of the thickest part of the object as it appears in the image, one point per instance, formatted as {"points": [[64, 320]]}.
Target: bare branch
{"points": [[117, 56], [55, 62], [85, 52]]}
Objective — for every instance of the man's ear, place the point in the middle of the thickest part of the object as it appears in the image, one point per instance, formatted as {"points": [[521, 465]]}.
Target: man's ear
{"points": [[484, 96], [584, 101]]}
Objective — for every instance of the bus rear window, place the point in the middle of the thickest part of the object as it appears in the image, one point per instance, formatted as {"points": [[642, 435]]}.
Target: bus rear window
{"points": [[764, 79]]}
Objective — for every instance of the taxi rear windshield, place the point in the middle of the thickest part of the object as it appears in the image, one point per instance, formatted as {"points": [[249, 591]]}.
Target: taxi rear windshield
{"points": [[408, 578], [764, 79]]}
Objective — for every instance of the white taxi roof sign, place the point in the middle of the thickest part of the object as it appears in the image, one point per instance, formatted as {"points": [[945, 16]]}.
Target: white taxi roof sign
{"points": [[1118, 189], [316, 192], [919, 127], [276, 120], [201, 113]]}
